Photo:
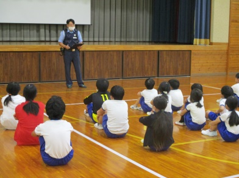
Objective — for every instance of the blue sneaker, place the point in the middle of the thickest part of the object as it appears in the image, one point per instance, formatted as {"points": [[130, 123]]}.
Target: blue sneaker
{"points": [[69, 86]]}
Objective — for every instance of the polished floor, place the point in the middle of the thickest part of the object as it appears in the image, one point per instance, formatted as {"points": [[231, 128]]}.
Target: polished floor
{"points": [[192, 154]]}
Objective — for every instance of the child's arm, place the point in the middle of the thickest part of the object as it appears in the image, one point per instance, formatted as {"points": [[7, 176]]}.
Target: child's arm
{"points": [[100, 114], [139, 93], [34, 134], [88, 99], [221, 108], [15, 116], [184, 111], [146, 120]]}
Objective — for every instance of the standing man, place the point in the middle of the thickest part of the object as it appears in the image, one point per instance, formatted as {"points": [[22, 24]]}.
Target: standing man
{"points": [[69, 38]]}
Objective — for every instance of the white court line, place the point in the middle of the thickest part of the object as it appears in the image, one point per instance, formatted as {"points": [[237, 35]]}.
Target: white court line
{"points": [[83, 103], [120, 155], [210, 87], [234, 176]]}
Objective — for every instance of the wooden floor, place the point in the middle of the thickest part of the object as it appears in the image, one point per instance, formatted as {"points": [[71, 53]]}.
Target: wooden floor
{"points": [[192, 155]]}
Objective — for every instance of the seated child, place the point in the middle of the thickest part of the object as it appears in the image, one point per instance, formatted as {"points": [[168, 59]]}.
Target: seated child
{"points": [[55, 134], [176, 95], [9, 103], [159, 133], [236, 87], [194, 113], [95, 100], [163, 90], [146, 96], [187, 101], [226, 91], [227, 123], [29, 115], [114, 114]]}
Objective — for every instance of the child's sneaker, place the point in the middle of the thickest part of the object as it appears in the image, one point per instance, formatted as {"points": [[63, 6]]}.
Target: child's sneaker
{"points": [[139, 108], [180, 123], [209, 133], [142, 141], [179, 111], [98, 126], [149, 113], [86, 113], [134, 107]]}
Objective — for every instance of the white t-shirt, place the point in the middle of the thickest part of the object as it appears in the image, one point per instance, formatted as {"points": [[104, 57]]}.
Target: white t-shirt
{"points": [[149, 95], [177, 97], [198, 114], [225, 118], [117, 112], [236, 89], [7, 118], [201, 101], [57, 136], [223, 103], [169, 105]]}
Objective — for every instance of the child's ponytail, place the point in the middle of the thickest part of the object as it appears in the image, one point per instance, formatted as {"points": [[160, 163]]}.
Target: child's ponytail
{"points": [[7, 100], [233, 119]]}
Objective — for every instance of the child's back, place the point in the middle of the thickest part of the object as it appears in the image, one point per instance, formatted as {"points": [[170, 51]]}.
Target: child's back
{"points": [[49, 132], [7, 118], [149, 95], [177, 97], [176, 94], [95, 100], [117, 113]]}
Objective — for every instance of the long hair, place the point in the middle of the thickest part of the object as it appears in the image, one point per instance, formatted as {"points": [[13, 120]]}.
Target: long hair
{"points": [[232, 103], [161, 133], [12, 89], [164, 89], [29, 93], [196, 96]]}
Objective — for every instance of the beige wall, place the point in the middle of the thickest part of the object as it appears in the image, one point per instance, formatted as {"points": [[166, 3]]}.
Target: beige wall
{"points": [[220, 21]]}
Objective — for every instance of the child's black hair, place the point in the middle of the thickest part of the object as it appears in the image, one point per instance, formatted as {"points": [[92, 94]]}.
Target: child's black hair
{"points": [[160, 102], [161, 124], [164, 89], [232, 103], [117, 92], [226, 91], [102, 84], [197, 85], [149, 83], [12, 89], [174, 83], [30, 92], [55, 108], [196, 96], [237, 76]]}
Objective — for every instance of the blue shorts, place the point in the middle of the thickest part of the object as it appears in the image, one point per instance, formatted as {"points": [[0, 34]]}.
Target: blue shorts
{"points": [[190, 124], [107, 132], [92, 115], [237, 99], [187, 103], [213, 116], [53, 161], [144, 106], [174, 108], [225, 134]]}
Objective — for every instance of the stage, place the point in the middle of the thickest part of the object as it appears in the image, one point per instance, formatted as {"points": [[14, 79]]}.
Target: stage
{"points": [[42, 62]]}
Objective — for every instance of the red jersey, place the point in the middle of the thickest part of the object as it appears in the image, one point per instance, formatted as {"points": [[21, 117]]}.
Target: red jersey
{"points": [[27, 124]]}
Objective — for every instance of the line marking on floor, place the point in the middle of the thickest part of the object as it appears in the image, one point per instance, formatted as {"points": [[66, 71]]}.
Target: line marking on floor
{"points": [[176, 144], [234, 176], [120, 155], [205, 157]]}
